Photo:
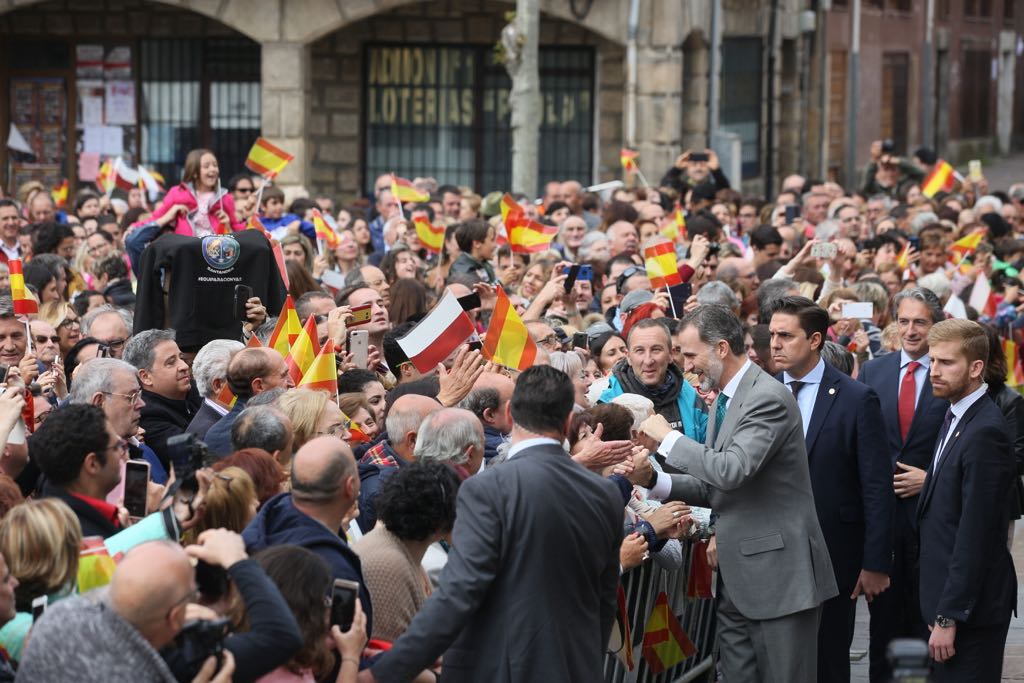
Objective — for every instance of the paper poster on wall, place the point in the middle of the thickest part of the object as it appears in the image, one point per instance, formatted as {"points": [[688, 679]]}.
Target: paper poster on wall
{"points": [[105, 140], [89, 61], [88, 166], [118, 63], [120, 103], [92, 110]]}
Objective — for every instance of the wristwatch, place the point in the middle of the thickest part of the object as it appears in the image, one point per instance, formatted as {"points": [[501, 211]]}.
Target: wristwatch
{"points": [[944, 622]]}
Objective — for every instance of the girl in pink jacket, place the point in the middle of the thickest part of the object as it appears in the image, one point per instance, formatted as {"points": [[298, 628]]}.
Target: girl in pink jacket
{"points": [[208, 207]]}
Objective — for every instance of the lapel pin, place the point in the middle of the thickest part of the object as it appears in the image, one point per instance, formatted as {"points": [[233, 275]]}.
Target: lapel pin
{"points": [[831, 391], [956, 435]]}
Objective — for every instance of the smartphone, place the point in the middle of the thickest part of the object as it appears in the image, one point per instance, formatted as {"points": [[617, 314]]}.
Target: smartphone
{"points": [[974, 170], [358, 346], [475, 345], [699, 156], [361, 315], [38, 607], [679, 294], [136, 486], [792, 213], [343, 605], [4, 369], [242, 294], [859, 310], [580, 341], [826, 250], [469, 302], [570, 279], [915, 242]]}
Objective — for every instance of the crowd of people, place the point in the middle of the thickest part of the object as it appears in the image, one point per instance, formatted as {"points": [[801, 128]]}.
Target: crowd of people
{"points": [[825, 403]]}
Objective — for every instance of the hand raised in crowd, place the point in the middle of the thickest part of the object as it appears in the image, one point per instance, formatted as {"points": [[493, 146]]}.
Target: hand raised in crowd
{"points": [[337, 325], [28, 368], [209, 673], [909, 481], [350, 643], [700, 247], [595, 454], [633, 551], [218, 547], [670, 520], [255, 312], [458, 382], [319, 266], [638, 468], [12, 402]]}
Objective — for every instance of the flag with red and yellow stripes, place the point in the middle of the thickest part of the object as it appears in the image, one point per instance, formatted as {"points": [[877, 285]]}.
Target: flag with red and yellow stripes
{"points": [[627, 157], [60, 194], [665, 642], [508, 342], [303, 351], [431, 236], [324, 231], [267, 159], [662, 269], [322, 373], [939, 180], [405, 191], [24, 302], [287, 329]]}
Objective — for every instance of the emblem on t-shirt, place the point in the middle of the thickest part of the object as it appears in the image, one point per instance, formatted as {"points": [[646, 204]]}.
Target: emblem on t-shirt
{"points": [[221, 251]]}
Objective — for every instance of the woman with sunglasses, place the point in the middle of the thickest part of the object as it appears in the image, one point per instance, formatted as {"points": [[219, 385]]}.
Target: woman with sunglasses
{"points": [[62, 317]]}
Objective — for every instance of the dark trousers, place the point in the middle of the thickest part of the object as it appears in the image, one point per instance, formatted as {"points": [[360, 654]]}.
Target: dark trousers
{"points": [[896, 613], [835, 633], [978, 658]]}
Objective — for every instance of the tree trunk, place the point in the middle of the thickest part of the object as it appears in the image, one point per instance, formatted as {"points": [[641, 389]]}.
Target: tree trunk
{"points": [[524, 98]]}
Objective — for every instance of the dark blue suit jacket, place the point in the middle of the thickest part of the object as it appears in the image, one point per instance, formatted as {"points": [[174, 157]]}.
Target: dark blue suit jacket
{"points": [[883, 375], [967, 573], [851, 477]]}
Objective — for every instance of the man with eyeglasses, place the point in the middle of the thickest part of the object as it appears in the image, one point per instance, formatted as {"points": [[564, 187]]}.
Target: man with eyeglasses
{"points": [[108, 325]]}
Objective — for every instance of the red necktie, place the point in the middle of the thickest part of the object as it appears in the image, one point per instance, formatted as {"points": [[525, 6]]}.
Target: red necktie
{"points": [[908, 395]]}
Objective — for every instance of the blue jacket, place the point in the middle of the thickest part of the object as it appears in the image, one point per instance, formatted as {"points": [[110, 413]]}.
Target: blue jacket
{"points": [[695, 420], [492, 439], [280, 523]]}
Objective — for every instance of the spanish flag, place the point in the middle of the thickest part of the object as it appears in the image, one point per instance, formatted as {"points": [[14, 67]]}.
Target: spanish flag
{"points": [[525, 236], [665, 642], [266, 159], [903, 260], [508, 205], [940, 179], [627, 158], [60, 194], [323, 231], [965, 246], [675, 226], [508, 342], [322, 374], [662, 268], [355, 432], [304, 351], [105, 177], [406, 192], [287, 329], [226, 398], [431, 236], [24, 303], [1014, 368]]}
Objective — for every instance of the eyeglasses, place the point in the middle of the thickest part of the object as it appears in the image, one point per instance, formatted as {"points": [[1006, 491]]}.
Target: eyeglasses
{"points": [[338, 429], [42, 339], [114, 343], [132, 397], [120, 447], [550, 340], [243, 190], [67, 322]]}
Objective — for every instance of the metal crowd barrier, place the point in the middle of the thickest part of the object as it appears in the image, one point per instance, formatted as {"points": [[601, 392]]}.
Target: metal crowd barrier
{"points": [[697, 617]]}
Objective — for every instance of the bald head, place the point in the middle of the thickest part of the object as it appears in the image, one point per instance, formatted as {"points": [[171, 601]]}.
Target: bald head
{"points": [[153, 601], [254, 370], [403, 421], [320, 471]]}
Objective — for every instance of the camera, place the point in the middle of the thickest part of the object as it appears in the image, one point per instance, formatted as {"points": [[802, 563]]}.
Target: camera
{"points": [[188, 453], [714, 248], [908, 659], [197, 641], [888, 146]]}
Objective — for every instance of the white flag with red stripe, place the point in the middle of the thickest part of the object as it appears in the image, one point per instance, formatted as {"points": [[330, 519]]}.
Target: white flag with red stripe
{"points": [[438, 335]]}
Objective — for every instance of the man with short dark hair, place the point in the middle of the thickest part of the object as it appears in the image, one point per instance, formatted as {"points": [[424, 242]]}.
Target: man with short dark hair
{"points": [[170, 403], [850, 472], [766, 243], [476, 246], [513, 523], [380, 321], [10, 225], [451, 201]]}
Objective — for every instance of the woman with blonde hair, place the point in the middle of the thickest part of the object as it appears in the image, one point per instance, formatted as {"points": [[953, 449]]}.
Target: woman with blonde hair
{"points": [[358, 410], [231, 503], [62, 317], [312, 414]]}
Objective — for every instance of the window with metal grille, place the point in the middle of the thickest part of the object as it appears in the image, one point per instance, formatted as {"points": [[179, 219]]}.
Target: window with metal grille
{"points": [[975, 95], [442, 111], [199, 93], [740, 110], [895, 72]]}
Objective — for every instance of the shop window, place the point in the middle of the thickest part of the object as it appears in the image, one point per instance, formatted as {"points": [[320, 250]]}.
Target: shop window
{"points": [[740, 110]]}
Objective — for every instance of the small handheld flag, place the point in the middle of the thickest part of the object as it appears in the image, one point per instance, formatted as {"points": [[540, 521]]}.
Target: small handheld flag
{"points": [[323, 231], [322, 374], [406, 192], [627, 158], [940, 179], [662, 269], [508, 342], [431, 236], [266, 159], [24, 303], [665, 642], [444, 328]]}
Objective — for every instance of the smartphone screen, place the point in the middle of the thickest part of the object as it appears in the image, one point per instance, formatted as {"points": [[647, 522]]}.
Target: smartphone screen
{"points": [[579, 340], [792, 211], [586, 272], [680, 293], [469, 302], [343, 606], [136, 485]]}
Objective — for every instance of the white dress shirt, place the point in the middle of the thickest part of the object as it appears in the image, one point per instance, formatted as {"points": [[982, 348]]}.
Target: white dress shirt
{"points": [[920, 374], [221, 410], [809, 393], [958, 409], [663, 487]]}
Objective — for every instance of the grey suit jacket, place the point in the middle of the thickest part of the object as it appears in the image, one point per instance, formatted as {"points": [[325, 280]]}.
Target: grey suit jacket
{"points": [[771, 552], [529, 590]]}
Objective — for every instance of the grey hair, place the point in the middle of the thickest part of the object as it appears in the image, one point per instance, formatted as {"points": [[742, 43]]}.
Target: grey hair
{"points": [[771, 291], [1016, 191], [400, 422], [212, 362], [89, 318], [264, 331], [6, 307], [922, 219], [838, 357], [826, 229], [140, 350], [568, 362], [717, 292], [480, 400], [444, 435], [97, 376], [259, 427], [884, 198], [640, 406], [714, 324], [266, 398], [991, 200], [936, 282], [925, 296], [589, 239]]}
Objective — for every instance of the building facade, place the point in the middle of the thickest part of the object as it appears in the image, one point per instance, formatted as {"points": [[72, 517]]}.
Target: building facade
{"points": [[354, 88]]}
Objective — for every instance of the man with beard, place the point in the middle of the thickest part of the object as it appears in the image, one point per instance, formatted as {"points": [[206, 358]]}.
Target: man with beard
{"points": [[774, 567], [648, 370]]}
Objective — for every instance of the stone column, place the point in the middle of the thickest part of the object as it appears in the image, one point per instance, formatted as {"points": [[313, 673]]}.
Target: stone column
{"points": [[286, 104]]}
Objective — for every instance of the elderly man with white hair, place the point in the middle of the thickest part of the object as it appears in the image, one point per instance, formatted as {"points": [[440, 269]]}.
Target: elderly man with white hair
{"points": [[210, 370]]}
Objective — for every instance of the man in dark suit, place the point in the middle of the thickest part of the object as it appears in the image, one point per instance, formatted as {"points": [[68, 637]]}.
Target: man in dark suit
{"points": [[850, 472], [210, 369], [968, 583], [911, 418], [774, 568], [528, 593]]}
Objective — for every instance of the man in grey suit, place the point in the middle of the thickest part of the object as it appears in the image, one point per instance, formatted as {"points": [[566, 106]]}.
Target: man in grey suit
{"points": [[774, 567], [529, 591]]}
